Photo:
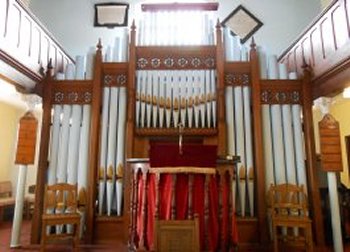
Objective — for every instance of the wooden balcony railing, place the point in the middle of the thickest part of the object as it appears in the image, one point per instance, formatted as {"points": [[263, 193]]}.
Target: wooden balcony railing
{"points": [[325, 46], [26, 45]]}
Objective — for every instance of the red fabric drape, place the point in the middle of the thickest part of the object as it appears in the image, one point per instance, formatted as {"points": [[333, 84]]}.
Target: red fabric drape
{"points": [[162, 155]]}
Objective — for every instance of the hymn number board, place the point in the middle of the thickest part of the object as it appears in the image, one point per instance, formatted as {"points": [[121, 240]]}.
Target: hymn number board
{"points": [[26, 139], [330, 144]]}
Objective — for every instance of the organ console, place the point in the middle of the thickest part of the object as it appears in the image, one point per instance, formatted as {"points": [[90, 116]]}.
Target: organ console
{"points": [[214, 88]]}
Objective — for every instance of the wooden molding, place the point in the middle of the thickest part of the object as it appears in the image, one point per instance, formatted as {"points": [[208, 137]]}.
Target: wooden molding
{"points": [[175, 57], [180, 6], [8, 59]]}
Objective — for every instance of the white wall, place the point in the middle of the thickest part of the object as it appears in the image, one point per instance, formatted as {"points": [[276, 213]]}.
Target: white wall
{"points": [[12, 108], [71, 22]]}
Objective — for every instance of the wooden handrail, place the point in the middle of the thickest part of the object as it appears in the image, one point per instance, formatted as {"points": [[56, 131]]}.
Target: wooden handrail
{"points": [[325, 46], [26, 45]]}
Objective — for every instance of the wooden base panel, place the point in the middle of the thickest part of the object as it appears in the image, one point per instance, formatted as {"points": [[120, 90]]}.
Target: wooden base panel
{"points": [[110, 230], [248, 231]]}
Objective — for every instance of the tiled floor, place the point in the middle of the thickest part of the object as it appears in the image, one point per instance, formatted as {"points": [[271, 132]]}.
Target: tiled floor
{"points": [[5, 238]]}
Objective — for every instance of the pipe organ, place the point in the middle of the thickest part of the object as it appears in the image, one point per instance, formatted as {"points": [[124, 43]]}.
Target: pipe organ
{"points": [[155, 81]]}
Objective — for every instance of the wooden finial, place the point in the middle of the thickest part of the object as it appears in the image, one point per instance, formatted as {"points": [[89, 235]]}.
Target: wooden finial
{"points": [[305, 65], [99, 45], [218, 24], [133, 26], [252, 44], [49, 68]]}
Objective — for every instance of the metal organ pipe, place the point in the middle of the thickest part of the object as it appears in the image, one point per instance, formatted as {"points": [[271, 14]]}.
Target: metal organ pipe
{"points": [[120, 148], [112, 153], [111, 150], [249, 147], [64, 134], [239, 128], [277, 136], [298, 138], [288, 134], [190, 100], [55, 132], [103, 150], [74, 133]]}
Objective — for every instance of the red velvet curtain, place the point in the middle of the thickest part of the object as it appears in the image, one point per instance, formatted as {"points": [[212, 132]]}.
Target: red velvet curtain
{"points": [[165, 155]]}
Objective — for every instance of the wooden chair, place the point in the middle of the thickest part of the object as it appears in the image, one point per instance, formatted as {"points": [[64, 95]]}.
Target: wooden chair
{"points": [[60, 208], [29, 202], [289, 216]]}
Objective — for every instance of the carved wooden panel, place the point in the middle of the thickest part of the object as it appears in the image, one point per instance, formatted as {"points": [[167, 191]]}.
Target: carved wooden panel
{"points": [[281, 92], [177, 235], [331, 159], [175, 57], [71, 92], [235, 79]]}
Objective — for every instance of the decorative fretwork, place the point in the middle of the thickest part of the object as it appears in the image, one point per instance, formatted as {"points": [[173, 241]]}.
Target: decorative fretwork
{"points": [[72, 97], [237, 79], [71, 92], [177, 63], [175, 57], [280, 97], [281, 92], [115, 79]]}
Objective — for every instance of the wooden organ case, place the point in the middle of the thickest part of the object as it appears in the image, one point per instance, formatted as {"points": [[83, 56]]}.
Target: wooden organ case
{"points": [[237, 80]]}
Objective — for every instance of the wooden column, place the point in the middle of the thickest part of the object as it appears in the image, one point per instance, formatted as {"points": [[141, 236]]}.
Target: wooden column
{"points": [[44, 89], [220, 92], [94, 144], [314, 193], [258, 142], [131, 94]]}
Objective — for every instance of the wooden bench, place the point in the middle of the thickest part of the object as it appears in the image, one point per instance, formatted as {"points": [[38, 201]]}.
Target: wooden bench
{"points": [[6, 198]]}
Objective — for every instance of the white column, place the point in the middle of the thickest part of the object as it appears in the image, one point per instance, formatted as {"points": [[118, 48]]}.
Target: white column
{"points": [[18, 214], [335, 213], [324, 105]]}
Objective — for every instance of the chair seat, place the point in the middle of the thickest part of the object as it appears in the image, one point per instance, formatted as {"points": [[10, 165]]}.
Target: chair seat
{"points": [[7, 201], [291, 221], [61, 218]]}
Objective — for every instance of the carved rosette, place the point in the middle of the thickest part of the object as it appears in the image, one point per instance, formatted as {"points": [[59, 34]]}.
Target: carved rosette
{"points": [[176, 62], [280, 97], [237, 79], [113, 80], [72, 97]]}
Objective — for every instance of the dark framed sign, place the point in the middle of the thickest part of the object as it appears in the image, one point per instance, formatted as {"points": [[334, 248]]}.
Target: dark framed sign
{"points": [[111, 14], [242, 23]]}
